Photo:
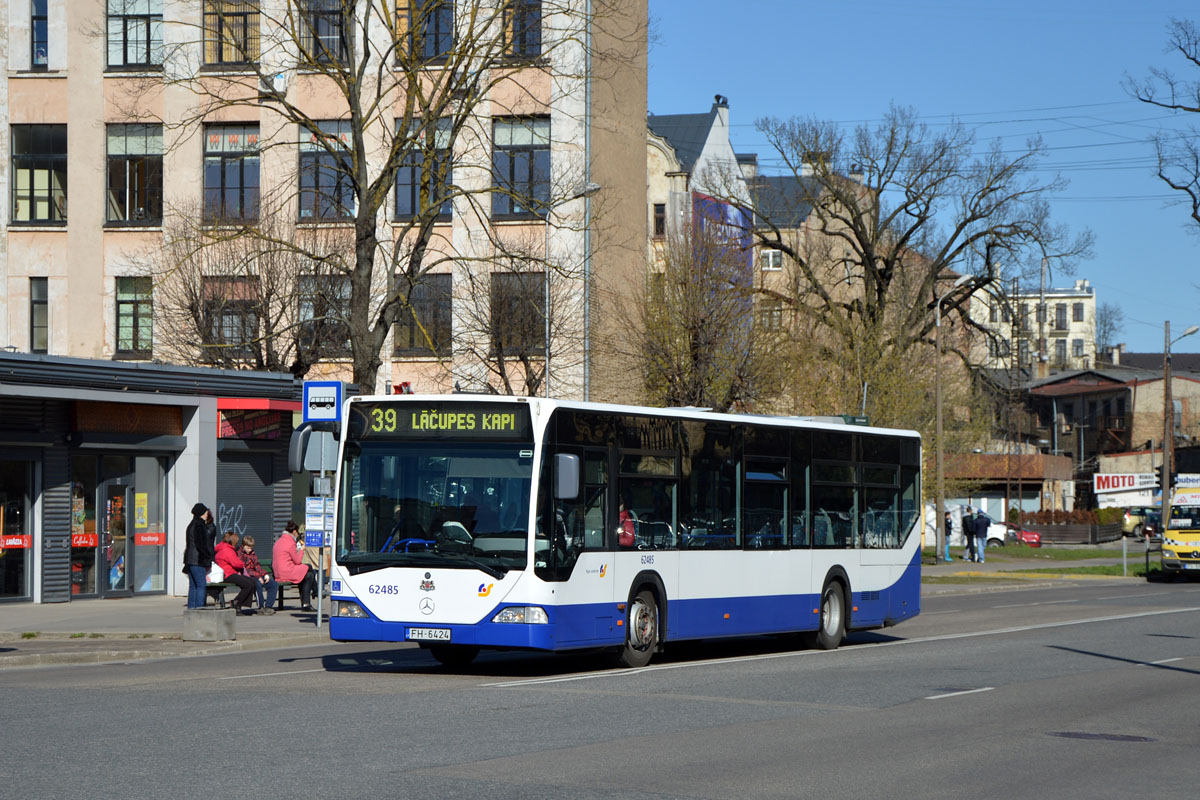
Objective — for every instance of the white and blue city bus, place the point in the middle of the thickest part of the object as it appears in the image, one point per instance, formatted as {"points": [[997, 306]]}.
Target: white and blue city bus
{"points": [[469, 522]]}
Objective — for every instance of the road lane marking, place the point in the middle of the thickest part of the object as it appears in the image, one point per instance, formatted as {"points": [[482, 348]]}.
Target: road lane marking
{"points": [[1139, 594], [945, 637], [1043, 603], [959, 694], [270, 674], [1164, 661]]}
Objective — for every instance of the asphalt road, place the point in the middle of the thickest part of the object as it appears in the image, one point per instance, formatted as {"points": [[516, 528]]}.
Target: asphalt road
{"points": [[1086, 691]]}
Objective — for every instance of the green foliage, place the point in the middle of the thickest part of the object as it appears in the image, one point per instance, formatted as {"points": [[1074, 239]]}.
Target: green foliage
{"points": [[1105, 516]]}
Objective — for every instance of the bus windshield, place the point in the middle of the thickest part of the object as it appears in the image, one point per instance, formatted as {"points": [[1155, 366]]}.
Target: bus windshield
{"points": [[1185, 516], [435, 504]]}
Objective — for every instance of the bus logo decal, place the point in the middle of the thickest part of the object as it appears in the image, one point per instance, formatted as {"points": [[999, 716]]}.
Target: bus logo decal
{"points": [[485, 589], [426, 605], [427, 584], [603, 569]]}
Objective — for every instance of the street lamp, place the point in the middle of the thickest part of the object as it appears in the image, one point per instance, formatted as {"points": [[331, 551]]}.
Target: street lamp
{"points": [[580, 191], [1168, 419], [943, 542]]}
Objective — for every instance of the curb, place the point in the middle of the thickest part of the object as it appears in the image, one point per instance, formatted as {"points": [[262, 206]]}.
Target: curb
{"points": [[109, 655]]}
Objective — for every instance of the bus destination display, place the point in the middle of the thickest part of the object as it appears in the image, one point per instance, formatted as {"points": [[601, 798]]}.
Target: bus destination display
{"points": [[409, 420]]}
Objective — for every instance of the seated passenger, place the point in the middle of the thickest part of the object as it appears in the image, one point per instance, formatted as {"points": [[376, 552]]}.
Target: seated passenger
{"points": [[232, 566]]}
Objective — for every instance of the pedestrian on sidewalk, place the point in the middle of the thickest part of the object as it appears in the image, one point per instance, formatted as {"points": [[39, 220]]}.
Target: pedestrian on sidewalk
{"points": [[197, 556], [968, 526], [949, 528], [983, 524]]}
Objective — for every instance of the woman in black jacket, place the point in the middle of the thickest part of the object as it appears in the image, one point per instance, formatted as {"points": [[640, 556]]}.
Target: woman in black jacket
{"points": [[198, 555]]}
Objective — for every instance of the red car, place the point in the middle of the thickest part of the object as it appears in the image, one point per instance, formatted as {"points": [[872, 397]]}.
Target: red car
{"points": [[1017, 534]]}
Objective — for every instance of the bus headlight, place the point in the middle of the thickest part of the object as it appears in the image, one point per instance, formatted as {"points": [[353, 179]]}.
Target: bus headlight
{"points": [[527, 615], [346, 608]]}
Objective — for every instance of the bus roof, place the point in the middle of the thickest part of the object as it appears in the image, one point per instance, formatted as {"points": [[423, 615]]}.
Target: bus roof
{"points": [[678, 412]]}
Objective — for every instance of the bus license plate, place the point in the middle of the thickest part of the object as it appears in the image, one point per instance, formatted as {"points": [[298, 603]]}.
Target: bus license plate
{"points": [[429, 634], [1191, 566]]}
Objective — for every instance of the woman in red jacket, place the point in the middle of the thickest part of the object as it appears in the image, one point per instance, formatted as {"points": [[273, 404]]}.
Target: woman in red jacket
{"points": [[232, 565], [285, 561]]}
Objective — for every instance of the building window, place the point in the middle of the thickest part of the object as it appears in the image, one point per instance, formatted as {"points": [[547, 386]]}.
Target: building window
{"points": [[134, 174], [1005, 314], [230, 172], [431, 169], [135, 33], [770, 314], [518, 324], [1024, 312], [1077, 348], [324, 301], [39, 315], [1060, 316], [39, 169], [39, 35], [323, 36], [1041, 312], [1023, 352], [993, 313], [230, 32], [427, 28], [134, 318], [1060, 351], [230, 318], [326, 185], [1077, 312], [427, 318], [520, 166], [660, 219], [523, 29], [772, 260]]}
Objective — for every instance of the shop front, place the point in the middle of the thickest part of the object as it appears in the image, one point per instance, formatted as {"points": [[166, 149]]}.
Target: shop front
{"points": [[100, 464]]}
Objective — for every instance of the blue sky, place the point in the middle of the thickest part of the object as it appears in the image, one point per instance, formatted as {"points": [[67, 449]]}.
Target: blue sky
{"points": [[1009, 70]]}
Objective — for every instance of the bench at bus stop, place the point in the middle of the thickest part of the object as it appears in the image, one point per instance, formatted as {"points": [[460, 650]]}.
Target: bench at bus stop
{"points": [[216, 592]]}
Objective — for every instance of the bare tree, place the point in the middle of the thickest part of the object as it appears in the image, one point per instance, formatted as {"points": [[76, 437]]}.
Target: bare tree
{"points": [[697, 336], [889, 212], [1110, 321], [377, 99], [228, 297], [1178, 153]]}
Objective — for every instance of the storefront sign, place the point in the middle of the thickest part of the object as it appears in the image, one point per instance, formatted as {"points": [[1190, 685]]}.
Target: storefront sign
{"points": [[16, 541], [84, 540], [150, 538], [1123, 481], [1187, 480]]}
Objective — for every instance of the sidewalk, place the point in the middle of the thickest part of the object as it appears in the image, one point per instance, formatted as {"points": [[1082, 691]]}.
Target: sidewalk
{"points": [[101, 631], [98, 631]]}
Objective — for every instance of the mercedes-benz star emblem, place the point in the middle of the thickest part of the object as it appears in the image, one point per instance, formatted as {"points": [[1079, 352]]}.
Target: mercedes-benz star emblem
{"points": [[426, 605]]}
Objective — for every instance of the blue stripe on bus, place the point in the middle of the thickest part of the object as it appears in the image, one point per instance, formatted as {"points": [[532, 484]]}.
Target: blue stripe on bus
{"points": [[594, 624]]}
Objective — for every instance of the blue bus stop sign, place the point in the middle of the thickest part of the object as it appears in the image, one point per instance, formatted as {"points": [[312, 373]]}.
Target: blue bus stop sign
{"points": [[322, 401]]}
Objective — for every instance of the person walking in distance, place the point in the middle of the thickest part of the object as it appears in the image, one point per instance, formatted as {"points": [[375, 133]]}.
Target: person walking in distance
{"points": [[982, 524], [968, 526]]}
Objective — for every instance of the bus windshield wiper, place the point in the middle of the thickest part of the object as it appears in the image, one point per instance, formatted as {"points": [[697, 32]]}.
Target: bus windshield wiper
{"points": [[424, 560], [495, 572]]}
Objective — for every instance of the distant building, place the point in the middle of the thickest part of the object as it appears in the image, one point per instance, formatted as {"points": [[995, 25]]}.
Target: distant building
{"points": [[1024, 333]]}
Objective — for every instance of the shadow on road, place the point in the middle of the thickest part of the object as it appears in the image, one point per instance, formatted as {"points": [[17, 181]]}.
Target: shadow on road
{"points": [[406, 659]]}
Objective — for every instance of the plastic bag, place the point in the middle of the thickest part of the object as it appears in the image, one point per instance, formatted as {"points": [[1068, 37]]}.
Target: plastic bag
{"points": [[216, 574]]}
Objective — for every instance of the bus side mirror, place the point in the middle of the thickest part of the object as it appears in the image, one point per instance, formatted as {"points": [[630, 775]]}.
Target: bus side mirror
{"points": [[297, 448], [566, 476]]}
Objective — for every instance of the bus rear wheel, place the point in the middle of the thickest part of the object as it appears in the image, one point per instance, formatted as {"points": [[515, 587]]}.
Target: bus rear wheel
{"points": [[641, 631], [454, 655], [833, 618]]}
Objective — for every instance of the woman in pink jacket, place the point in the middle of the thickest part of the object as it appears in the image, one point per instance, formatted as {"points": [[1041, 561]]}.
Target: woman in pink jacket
{"points": [[232, 565], [285, 561]]}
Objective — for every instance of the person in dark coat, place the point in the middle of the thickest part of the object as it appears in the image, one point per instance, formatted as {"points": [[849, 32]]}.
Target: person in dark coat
{"points": [[968, 526], [198, 555]]}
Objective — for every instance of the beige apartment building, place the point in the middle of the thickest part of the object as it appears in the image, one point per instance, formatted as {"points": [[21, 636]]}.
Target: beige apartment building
{"points": [[134, 124], [1057, 329]]}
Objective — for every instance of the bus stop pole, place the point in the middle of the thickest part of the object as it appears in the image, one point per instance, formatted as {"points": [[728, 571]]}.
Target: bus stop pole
{"points": [[321, 550]]}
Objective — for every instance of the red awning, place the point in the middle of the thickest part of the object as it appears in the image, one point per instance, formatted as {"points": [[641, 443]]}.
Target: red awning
{"points": [[256, 404]]}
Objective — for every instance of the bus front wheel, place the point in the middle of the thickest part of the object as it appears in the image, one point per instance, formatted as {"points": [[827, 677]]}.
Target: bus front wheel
{"points": [[833, 618], [641, 630], [454, 655]]}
